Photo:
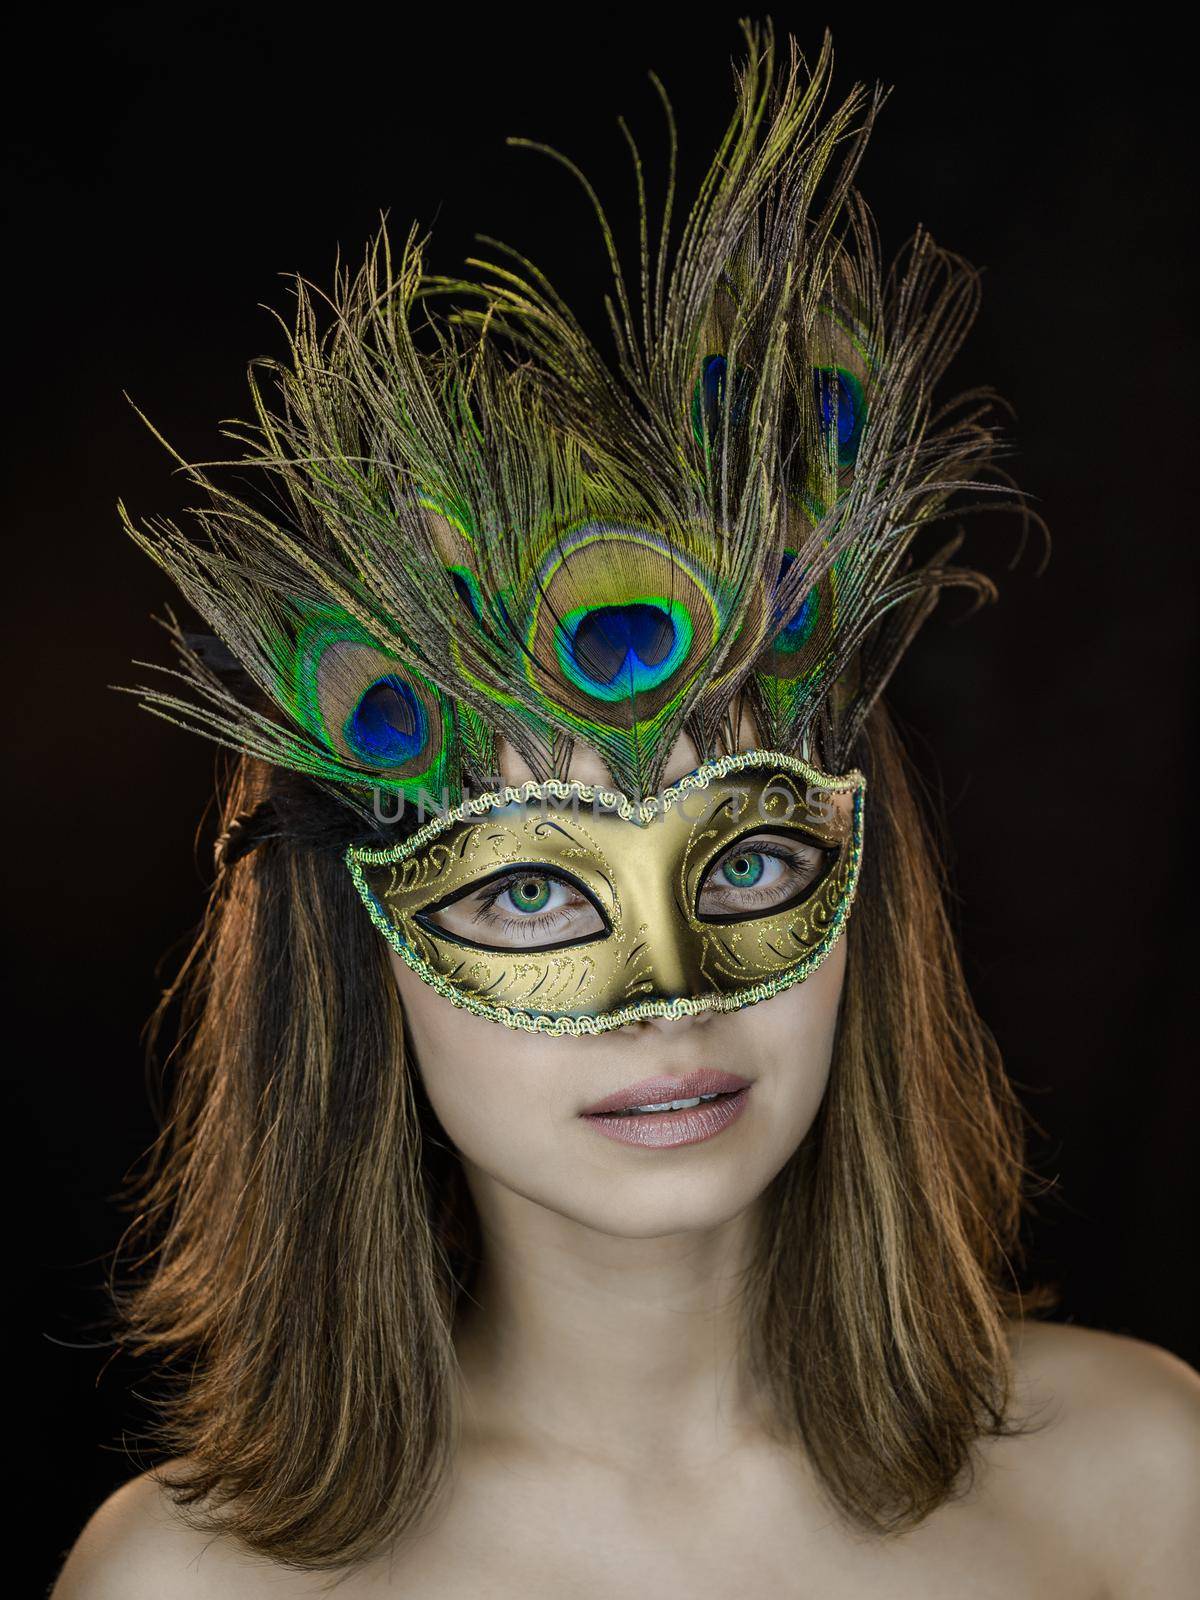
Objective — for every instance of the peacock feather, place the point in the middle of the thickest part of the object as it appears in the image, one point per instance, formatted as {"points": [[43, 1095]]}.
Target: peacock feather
{"points": [[477, 526]]}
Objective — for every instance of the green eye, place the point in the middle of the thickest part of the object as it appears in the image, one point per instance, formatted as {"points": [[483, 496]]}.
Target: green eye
{"points": [[743, 870], [760, 876], [524, 908], [530, 894]]}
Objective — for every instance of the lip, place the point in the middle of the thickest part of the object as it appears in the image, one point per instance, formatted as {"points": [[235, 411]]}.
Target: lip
{"points": [[668, 1129]]}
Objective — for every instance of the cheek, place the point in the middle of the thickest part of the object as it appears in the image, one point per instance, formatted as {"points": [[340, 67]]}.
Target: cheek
{"points": [[791, 1038], [488, 1084], [509, 1101]]}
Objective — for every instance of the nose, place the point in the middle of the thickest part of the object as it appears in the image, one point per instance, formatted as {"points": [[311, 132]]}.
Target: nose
{"points": [[674, 1026]]}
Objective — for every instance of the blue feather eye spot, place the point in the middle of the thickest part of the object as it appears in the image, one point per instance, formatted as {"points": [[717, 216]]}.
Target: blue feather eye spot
{"points": [[388, 725], [609, 636], [799, 627], [841, 410], [615, 651], [708, 398], [467, 589]]}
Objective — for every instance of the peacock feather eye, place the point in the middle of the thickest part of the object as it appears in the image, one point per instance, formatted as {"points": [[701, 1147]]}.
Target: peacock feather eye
{"points": [[617, 621], [791, 671], [708, 399], [615, 651], [389, 726], [371, 710], [841, 409], [795, 632], [466, 586], [448, 525]]}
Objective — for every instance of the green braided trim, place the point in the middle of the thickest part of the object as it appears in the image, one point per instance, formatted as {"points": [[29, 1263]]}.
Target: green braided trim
{"points": [[628, 810]]}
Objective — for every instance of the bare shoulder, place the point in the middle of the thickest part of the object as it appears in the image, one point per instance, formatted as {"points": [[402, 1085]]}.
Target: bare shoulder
{"points": [[1112, 1450], [137, 1546], [1088, 1380]]}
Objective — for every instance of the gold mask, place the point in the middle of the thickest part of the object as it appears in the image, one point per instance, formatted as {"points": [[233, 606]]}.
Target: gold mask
{"points": [[564, 908]]}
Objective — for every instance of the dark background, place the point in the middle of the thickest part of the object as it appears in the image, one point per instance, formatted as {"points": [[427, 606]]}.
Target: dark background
{"points": [[164, 168]]}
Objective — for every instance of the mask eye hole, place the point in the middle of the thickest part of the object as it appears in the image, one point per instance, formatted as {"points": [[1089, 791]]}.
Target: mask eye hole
{"points": [[761, 874], [527, 907]]}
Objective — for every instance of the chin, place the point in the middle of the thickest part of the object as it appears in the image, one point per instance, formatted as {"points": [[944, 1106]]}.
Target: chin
{"points": [[635, 1193], [642, 1208]]}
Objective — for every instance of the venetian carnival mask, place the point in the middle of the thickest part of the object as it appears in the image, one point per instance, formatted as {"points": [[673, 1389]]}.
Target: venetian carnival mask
{"points": [[565, 908]]}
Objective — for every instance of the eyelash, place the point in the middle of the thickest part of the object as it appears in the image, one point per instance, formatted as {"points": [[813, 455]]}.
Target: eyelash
{"points": [[532, 929], [798, 859], [541, 923]]}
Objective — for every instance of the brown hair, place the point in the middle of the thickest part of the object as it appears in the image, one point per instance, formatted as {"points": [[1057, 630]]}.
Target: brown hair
{"points": [[308, 1231]]}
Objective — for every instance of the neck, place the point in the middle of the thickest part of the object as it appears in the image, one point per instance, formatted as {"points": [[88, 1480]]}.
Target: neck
{"points": [[623, 1347]]}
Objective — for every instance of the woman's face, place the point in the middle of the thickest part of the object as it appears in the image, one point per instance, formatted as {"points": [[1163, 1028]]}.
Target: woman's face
{"points": [[521, 1108]]}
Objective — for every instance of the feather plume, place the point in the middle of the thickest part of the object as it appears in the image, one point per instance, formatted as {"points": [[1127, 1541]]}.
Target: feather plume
{"points": [[474, 525]]}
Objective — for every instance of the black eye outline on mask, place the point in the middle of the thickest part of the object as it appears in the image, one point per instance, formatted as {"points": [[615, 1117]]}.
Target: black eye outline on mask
{"points": [[508, 874], [830, 853]]}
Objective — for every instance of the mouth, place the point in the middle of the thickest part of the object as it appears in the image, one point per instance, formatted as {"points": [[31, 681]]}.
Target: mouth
{"points": [[666, 1112]]}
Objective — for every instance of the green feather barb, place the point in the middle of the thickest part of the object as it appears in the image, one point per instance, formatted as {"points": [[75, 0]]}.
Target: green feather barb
{"points": [[475, 526]]}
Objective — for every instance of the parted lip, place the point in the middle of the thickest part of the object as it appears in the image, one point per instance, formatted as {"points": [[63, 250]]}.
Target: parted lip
{"points": [[654, 1091]]}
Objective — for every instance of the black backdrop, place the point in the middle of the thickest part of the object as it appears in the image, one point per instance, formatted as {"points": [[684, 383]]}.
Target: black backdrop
{"points": [[165, 166]]}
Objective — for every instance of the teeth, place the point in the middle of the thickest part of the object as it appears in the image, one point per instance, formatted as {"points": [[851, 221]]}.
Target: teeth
{"points": [[668, 1105]]}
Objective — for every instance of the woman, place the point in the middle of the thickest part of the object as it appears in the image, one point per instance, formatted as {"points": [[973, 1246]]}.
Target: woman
{"points": [[588, 1172]]}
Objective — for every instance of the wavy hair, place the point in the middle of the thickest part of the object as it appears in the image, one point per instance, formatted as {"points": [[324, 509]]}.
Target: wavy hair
{"points": [[306, 1233]]}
